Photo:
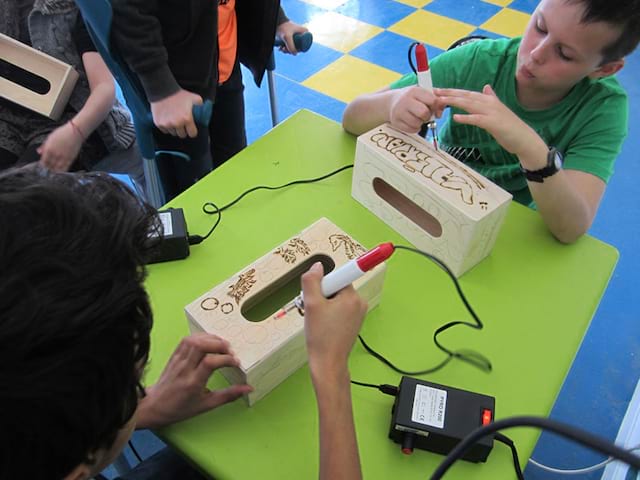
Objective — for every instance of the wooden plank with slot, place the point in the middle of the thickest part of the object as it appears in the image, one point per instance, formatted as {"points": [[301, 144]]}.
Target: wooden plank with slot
{"points": [[58, 77], [271, 349], [433, 200]]}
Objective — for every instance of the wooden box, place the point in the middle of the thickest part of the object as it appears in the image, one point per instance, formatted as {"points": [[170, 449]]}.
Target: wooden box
{"points": [[271, 349], [50, 80], [433, 200]]}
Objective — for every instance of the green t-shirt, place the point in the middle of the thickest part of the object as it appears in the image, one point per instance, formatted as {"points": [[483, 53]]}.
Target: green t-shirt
{"points": [[588, 126]]}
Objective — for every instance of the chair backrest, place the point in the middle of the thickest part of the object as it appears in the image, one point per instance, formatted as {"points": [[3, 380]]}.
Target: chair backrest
{"points": [[98, 15]]}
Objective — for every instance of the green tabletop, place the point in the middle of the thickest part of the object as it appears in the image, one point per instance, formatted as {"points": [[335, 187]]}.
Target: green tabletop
{"points": [[535, 296]]}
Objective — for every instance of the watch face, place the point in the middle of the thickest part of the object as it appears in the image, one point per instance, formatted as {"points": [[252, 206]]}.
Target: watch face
{"points": [[557, 161]]}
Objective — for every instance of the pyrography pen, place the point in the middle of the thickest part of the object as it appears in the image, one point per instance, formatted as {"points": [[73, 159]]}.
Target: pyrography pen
{"points": [[424, 81], [344, 276]]}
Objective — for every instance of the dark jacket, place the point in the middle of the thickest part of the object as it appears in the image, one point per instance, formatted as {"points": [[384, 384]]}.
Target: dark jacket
{"points": [[174, 43]]}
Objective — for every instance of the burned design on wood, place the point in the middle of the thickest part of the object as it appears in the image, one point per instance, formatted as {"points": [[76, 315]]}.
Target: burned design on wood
{"points": [[428, 163], [227, 308], [295, 245], [209, 303], [352, 249], [239, 289]]}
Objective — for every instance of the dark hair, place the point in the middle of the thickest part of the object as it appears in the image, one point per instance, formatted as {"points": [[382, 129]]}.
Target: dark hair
{"points": [[624, 14], [74, 317]]}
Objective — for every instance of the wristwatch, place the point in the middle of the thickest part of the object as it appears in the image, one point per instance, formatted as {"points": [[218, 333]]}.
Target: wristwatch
{"points": [[554, 164]]}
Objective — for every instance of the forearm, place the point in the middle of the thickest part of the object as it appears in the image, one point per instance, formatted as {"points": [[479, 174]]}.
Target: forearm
{"points": [[368, 111], [339, 459], [563, 207], [137, 34], [566, 213]]}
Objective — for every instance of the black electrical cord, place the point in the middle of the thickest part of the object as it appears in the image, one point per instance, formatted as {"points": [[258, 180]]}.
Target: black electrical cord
{"points": [[384, 388], [567, 431], [410, 58], [469, 356], [514, 453], [211, 208]]}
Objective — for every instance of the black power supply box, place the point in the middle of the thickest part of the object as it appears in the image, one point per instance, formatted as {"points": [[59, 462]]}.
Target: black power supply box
{"points": [[174, 242], [436, 418]]}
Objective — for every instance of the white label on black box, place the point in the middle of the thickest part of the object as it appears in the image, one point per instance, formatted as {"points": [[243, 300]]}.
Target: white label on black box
{"points": [[167, 225], [429, 406]]}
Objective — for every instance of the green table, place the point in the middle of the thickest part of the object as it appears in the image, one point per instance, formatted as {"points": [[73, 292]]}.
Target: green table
{"points": [[535, 296]]}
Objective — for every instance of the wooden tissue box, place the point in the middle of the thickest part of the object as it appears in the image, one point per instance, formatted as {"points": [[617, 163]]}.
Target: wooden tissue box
{"points": [[50, 80], [433, 200], [271, 349]]}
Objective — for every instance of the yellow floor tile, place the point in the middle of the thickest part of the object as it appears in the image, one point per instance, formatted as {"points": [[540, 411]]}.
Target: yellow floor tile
{"points": [[430, 28], [340, 32], [500, 3], [326, 4], [507, 22], [348, 77], [415, 3]]}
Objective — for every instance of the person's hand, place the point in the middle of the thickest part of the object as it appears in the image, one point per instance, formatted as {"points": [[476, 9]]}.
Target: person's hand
{"points": [[330, 325], [174, 114], [60, 148], [411, 107], [285, 32], [181, 391], [486, 111]]}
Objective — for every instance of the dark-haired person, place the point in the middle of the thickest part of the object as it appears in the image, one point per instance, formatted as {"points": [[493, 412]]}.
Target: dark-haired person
{"points": [[185, 51], [519, 105], [75, 321]]}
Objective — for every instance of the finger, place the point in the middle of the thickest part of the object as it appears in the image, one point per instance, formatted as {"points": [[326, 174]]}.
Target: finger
{"points": [[226, 395], [291, 46], [487, 90], [191, 130], [199, 346], [210, 363], [181, 131], [311, 283], [470, 119]]}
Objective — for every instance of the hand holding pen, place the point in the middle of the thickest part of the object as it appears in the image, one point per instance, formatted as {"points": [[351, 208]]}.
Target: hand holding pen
{"points": [[424, 81]]}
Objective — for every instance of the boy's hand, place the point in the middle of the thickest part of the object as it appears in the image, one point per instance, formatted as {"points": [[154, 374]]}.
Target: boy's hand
{"points": [[174, 114], [285, 32], [60, 149], [330, 326], [411, 107], [485, 110], [181, 391]]}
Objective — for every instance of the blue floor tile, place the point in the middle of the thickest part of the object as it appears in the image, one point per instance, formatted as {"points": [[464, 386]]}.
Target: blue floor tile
{"points": [[303, 65], [382, 13], [293, 97], [300, 12], [473, 12], [389, 50], [527, 6], [487, 33]]}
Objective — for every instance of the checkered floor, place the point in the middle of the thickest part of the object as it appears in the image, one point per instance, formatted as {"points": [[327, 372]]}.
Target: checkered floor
{"points": [[361, 46]]}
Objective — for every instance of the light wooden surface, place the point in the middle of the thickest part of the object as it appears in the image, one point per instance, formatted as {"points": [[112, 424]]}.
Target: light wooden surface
{"points": [[61, 77], [271, 349], [429, 197]]}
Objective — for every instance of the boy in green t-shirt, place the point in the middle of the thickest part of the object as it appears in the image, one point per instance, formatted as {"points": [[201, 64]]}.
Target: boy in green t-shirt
{"points": [[564, 102]]}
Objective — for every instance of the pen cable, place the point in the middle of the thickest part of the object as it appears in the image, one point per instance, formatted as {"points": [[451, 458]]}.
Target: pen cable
{"points": [[210, 208]]}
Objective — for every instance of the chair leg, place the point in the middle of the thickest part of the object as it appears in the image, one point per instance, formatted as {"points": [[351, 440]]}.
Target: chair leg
{"points": [[273, 101], [155, 195]]}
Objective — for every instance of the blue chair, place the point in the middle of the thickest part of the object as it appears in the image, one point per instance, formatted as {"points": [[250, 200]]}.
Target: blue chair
{"points": [[98, 15]]}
